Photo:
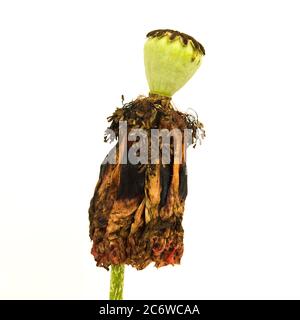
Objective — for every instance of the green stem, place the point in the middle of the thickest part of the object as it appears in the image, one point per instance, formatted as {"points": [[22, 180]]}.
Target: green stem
{"points": [[116, 282]]}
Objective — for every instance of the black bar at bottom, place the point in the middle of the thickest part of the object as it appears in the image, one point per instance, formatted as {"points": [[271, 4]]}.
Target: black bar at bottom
{"points": [[142, 309]]}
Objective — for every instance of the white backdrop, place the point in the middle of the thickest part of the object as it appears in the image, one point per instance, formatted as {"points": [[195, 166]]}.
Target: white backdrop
{"points": [[63, 68]]}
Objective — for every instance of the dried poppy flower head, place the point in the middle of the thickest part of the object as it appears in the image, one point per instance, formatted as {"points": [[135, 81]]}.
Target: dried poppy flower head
{"points": [[137, 208]]}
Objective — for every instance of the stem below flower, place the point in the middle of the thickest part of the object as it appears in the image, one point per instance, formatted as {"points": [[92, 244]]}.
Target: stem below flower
{"points": [[116, 282]]}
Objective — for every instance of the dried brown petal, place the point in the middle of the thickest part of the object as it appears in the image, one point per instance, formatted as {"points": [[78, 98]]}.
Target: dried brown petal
{"points": [[136, 211]]}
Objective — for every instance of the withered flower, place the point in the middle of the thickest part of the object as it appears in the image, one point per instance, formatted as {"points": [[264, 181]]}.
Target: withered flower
{"points": [[137, 208]]}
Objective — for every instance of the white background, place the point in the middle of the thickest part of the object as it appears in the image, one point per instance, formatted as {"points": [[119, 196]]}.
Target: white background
{"points": [[63, 68]]}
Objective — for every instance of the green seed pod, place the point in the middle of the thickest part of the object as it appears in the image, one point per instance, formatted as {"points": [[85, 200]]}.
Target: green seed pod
{"points": [[171, 59]]}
